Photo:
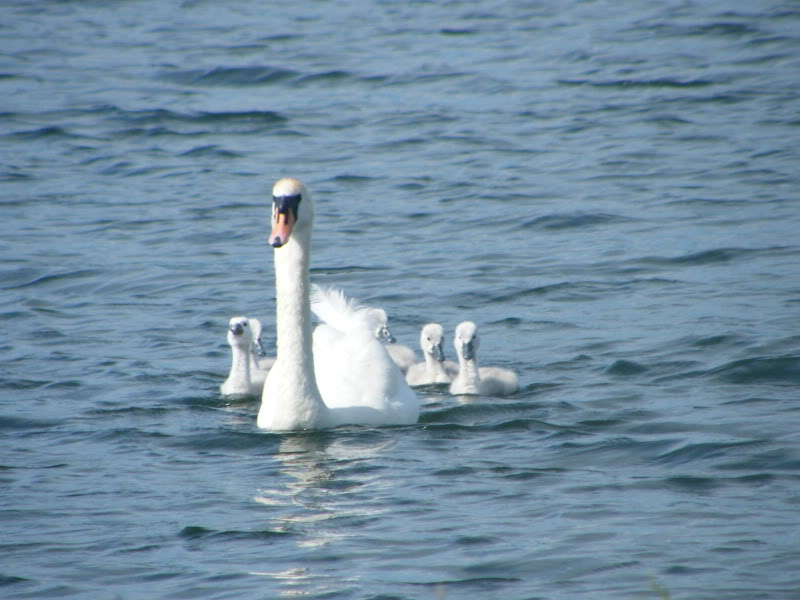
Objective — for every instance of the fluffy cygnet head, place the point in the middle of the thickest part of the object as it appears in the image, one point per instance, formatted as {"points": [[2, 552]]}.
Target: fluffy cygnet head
{"points": [[379, 325], [255, 327], [292, 210], [466, 340], [430, 340], [240, 334]]}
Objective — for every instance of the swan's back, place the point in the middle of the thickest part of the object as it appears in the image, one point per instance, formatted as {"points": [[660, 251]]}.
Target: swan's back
{"points": [[356, 377], [497, 381]]}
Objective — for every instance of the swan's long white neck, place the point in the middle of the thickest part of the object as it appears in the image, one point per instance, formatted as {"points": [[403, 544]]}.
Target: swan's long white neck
{"points": [[468, 373], [240, 369], [293, 306], [430, 360], [433, 366], [291, 398]]}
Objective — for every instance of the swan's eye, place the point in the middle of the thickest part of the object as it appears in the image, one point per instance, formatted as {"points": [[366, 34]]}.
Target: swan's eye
{"points": [[284, 204]]}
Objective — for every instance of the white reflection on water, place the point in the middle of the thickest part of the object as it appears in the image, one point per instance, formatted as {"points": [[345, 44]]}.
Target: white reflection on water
{"points": [[322, 493]]}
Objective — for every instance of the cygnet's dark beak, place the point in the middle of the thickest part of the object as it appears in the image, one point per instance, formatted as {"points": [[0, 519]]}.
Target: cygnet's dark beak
{"points": [[468, 350], [237, 329], [386, 335], [438, 352]]}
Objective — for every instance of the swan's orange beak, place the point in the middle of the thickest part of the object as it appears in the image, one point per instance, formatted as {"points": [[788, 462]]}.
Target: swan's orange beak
{"points": [[284, 217], [282, 224]]}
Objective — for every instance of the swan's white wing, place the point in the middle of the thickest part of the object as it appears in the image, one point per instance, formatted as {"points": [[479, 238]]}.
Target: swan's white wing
{"points": [[353, 370], [336, 310], [356, 377]]}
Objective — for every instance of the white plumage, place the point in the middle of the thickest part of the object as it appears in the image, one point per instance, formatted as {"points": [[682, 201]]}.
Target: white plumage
{"points": [[352, 367], [434, 369], [340, 374], [248, 371], [471, 379], [400, 354]]}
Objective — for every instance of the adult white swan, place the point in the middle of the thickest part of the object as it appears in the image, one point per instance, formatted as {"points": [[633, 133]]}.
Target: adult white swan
{"points": [[335, 377], [487, 381]]}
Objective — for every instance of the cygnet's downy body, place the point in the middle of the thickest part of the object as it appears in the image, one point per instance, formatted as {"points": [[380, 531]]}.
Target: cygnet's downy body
{"points": [[434, 369], [248, 370], [472, 379], [403, 356]]}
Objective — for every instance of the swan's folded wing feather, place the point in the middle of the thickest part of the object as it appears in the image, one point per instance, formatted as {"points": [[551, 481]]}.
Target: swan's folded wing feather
{"points": [[349, 368], [354, 370], [336, 310]]}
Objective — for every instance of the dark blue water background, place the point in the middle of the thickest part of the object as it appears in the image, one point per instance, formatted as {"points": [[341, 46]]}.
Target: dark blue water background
{"points": [[611, 190]]}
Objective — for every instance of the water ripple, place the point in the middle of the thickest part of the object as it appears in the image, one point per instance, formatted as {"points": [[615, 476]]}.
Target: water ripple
{"points": [[760, 370], [229, 76], [609, 192]]}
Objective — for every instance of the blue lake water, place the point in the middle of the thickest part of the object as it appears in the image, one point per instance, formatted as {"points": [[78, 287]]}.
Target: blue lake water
{"points": [[610, 190]]}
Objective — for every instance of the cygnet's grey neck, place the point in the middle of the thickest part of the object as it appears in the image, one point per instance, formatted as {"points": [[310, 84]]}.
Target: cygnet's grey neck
{"points": [[240, 367], [434, 366], [468, 372]]}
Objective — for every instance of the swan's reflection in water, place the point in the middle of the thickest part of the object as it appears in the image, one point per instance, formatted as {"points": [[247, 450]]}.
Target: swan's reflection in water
{"points": [[331, 487]]}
